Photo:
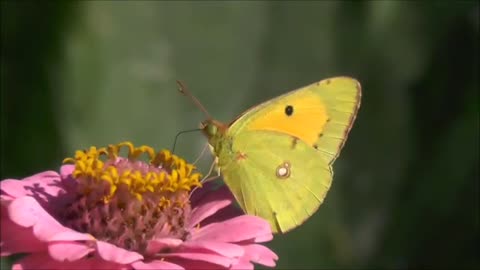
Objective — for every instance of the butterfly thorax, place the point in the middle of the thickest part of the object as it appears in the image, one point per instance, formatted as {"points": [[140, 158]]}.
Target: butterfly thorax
{"points": [[216, 133]]}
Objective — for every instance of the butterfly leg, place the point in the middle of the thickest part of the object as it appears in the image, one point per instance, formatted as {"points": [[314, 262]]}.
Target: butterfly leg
{"points": [[201, 154], [207, 178]]}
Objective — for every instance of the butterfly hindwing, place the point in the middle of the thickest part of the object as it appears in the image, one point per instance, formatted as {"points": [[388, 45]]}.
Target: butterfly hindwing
{"points": [[275, 179]]}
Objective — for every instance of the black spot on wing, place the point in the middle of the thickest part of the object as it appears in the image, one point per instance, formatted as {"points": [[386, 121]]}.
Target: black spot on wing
{"points": [[289, 110]]}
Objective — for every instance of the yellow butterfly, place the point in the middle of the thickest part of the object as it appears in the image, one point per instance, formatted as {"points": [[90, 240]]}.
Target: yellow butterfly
{"points": [[276, 158]]}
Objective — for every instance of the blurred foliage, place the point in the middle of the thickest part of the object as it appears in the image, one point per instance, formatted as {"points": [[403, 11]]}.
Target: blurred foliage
{"points": [[405, 193]]}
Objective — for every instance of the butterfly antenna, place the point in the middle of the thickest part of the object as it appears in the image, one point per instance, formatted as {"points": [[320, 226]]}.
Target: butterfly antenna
{"points": [[182, 132], [183, 89]]}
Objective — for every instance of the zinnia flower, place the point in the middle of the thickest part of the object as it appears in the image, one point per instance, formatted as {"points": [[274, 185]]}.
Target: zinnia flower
{"points": [[110, 212]]}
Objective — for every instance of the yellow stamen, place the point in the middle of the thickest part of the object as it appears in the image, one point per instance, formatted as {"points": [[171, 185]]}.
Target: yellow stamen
{"points": [[165, 172]]}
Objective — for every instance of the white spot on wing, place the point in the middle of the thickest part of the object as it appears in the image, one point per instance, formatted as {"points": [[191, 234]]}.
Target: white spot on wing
{"points": [[283, 170]]}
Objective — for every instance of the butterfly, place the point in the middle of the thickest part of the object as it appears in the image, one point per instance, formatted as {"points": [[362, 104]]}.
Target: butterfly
{"points": [[276, 158]]}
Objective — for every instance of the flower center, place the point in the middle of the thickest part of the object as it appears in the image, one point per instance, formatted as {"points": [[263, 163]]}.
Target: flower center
{"points": [[128, 201]]}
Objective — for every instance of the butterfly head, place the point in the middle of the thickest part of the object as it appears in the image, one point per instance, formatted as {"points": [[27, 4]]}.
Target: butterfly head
{"points": [[214, 130]]}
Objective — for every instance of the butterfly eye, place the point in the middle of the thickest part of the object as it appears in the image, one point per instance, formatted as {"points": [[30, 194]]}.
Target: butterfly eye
{"points": [[289, 110], [211, 129]]}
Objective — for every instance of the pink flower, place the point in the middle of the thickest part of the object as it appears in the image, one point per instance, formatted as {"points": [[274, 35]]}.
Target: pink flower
{"points": [[124, 213]]}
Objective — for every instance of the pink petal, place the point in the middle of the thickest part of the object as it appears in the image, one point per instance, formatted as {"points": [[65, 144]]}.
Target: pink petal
{"points": [[234, 230], [155, 246], [156, 264], [205, 191], [27, 212], [71, 236], [98, 263], [205, 257], [195, 265], [209, 205], [43, 261], [66, 171], [35, 261], [42, 184], [263, 238], [115, 254], [68, 251], [69, 183], [228, 212], [206, 210], [16, 239], [243, 264], [260, 254], [224, 249], [4, 197]]}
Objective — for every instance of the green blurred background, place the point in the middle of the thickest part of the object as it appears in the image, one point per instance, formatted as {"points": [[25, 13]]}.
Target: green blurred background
{"points": [[405, 193]]}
